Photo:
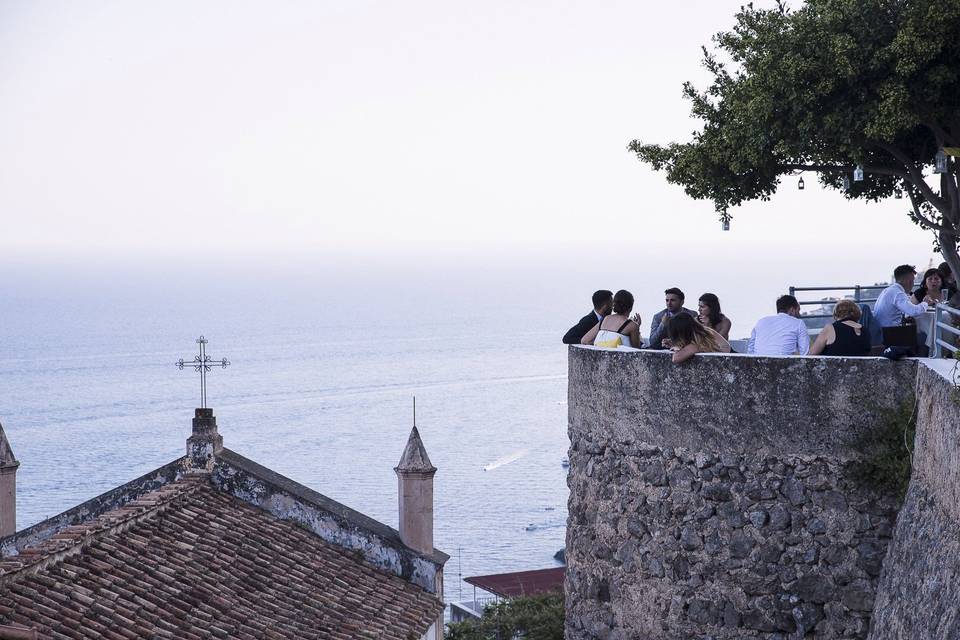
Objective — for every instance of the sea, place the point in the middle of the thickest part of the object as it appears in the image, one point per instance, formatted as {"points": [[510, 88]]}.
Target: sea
{"points": [[325, 360], [320, 387]]}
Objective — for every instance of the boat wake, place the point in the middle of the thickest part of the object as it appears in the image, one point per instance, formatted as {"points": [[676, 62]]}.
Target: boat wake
{"points": [[513, 457]]}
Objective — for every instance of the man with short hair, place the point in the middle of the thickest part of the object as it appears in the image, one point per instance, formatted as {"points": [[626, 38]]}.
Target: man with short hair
{"points": [[658, 328], [602, 304], [784, 334], [893, 303]]}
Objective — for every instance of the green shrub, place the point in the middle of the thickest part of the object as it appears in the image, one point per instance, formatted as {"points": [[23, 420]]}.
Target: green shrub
{"points": [[887, 452], [529, 617]]}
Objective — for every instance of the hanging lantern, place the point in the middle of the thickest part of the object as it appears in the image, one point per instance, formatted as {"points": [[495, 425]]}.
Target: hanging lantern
{"points": [[846, 183], [725, 220], [726, 225], [858, 173], [940, 162], [800, 183]]}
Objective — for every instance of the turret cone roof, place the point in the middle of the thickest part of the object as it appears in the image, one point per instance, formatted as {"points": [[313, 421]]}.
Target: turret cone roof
{"points": [[7, 458], [415, 458]]}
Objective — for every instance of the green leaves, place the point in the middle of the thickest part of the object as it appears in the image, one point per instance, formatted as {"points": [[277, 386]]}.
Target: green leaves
{"points": [[833, 84], [530, 617]]}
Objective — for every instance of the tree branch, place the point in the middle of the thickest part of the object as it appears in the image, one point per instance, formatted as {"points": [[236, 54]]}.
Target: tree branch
{"points": [[949, 185], [948, 247], [925, 221], [841, 168], [940, 134], [916, 176], [956, 193]]}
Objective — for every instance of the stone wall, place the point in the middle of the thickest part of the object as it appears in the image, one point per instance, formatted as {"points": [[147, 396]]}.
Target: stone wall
{"points": [[919, 595], [714, 499]]}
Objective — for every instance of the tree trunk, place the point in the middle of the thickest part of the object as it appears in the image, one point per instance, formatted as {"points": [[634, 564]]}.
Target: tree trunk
{"points": [[948, 249], [951, 219]]}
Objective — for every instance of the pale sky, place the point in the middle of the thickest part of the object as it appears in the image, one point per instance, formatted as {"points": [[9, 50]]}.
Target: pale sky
{"points": [[440, 129]]}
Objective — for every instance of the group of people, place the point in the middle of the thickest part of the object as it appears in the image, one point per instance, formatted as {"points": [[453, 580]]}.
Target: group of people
{"points": [[612, 323], [856, 328]]}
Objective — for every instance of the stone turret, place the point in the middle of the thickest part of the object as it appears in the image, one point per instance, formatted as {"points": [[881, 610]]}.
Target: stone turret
{"points": [[8, 487], [204, 442], [415, 484]]}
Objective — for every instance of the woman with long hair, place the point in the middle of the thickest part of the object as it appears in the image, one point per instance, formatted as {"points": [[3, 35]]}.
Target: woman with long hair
{"points": [[711, 316], [617, 329], [688, 338]]}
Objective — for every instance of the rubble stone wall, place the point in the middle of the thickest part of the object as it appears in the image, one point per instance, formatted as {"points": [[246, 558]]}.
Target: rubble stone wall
{"points": [[714, 499], [919, 594]]}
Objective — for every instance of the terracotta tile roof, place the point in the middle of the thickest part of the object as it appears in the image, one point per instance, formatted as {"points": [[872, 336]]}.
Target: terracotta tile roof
{"points": [[520, 583], [189, 561]]}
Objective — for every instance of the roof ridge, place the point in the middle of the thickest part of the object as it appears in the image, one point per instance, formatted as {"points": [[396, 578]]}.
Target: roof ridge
{"points": [[73, 538]]}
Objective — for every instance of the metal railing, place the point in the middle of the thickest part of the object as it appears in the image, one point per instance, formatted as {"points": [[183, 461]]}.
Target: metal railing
{"points": [[941, 324], [858, 296]]}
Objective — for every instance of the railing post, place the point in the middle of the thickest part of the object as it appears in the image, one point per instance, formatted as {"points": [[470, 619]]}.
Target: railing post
{"points": [[793, 291], [856, 294], [936, 332]]}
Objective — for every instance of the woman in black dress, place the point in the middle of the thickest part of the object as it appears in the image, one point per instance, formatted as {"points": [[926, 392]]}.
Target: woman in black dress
{"points": [[845, 337]]}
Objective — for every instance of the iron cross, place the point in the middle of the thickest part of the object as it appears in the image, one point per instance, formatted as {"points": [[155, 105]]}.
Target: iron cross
{"points": [[202, 363]]}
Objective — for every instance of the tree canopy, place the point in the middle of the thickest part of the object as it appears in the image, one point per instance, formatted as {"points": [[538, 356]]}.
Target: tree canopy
{"points": [[827, 87], [531, 617]]}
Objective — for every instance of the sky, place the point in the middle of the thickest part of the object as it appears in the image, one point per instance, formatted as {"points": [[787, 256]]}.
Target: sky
{"points": [[381, 136]]}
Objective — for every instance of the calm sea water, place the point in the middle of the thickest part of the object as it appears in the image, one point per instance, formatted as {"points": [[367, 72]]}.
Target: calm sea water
{"points": [[319, 389]]}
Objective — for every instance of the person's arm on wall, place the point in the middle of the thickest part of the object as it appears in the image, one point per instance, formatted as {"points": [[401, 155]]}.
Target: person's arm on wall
{"points": [[684, 354]]}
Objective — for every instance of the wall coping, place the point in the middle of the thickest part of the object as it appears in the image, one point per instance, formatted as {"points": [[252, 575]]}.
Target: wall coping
{"points": [[805, 405]]}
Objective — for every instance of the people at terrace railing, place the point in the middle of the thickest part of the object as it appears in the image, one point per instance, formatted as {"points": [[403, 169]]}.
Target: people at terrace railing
{"points": [[710, 316], [617, 329], [658, 328], [781, 335], [893, 303], [931, 286], [846, 336], [688, 338], [602, 303]]}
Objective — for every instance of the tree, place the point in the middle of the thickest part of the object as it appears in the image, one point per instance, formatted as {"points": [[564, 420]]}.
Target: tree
{"points": [[828, 87], [530, 617]]}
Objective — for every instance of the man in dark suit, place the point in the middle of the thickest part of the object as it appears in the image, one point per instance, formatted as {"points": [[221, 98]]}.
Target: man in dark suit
{"points": [[602, 303]]}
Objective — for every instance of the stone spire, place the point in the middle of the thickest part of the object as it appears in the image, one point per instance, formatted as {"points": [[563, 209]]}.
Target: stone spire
{"points": [[205, 441], [8, 487], [415, 487], [415, 456]]}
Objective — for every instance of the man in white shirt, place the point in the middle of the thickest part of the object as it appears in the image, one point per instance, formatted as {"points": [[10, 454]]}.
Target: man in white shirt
{"points": [[894, 303], [784, 334]]}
